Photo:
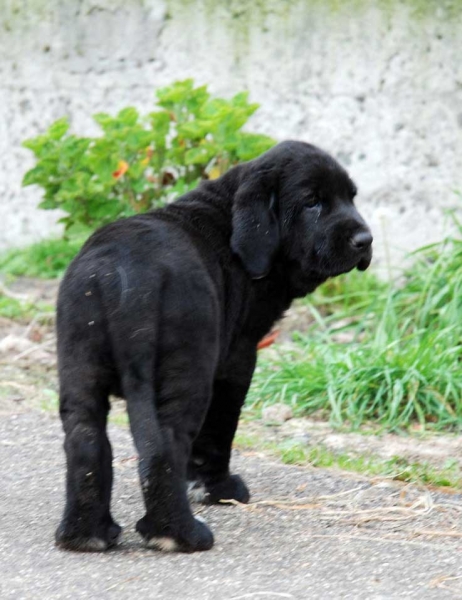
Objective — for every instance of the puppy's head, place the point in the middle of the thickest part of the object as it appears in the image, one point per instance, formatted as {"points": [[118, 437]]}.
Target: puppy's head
{"points": [[296, 202]]}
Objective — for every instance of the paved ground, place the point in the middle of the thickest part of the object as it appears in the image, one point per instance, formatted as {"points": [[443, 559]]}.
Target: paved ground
{"points": [[311, 534]]}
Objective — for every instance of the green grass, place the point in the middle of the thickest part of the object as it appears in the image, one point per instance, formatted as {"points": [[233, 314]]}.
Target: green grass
{"points": [[23, 310], [47, 259], [350, 294], [397, 468], [402, 361]]}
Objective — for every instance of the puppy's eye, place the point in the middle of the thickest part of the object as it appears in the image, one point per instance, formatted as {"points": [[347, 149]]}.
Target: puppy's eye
{"points": [[311, 202]]}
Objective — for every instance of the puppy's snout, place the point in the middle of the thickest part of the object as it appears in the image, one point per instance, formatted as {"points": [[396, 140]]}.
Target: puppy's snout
{"points": [[361, 240]]}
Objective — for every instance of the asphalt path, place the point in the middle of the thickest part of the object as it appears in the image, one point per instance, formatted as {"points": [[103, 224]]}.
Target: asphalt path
{"points": [[310, 533]]}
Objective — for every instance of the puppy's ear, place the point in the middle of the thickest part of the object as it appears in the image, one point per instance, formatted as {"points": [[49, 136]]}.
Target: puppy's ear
{"points": [[255, 236]]}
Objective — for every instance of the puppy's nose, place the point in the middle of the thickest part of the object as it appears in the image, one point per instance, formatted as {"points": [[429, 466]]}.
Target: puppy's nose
{"points": [[361, 240]]}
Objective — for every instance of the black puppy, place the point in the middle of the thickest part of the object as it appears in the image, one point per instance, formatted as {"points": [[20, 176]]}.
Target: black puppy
{"points": [[166, 310]]}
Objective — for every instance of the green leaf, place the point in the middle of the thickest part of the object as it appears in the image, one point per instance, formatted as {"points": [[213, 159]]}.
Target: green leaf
{"points": [[128, 116], [215, 109], [39, 175], [104, 209], [195, 130], [48, 203], [104, 167], [137, 139], [252, 145], [104, 120], [160, 127], [200, 155], [39, 145], [175, 93], [58, 129], [241, 100]]}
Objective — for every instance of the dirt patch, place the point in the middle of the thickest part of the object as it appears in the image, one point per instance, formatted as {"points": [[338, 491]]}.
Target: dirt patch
{"points": [[28, 349]]}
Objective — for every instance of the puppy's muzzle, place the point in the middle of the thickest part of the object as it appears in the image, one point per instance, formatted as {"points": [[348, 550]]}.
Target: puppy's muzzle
{"points": [[361, 242]]}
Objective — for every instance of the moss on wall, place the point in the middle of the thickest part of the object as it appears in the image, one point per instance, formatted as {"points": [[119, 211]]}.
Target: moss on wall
{"points": [[259, 9], [252, 10], [238, 18], [242, 18]]}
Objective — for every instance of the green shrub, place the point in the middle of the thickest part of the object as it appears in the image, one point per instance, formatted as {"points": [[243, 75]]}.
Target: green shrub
{"points": [[140, 162]]}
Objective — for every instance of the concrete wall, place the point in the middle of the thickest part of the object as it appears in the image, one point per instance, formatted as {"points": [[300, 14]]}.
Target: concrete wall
{"points": [[379, 84]]}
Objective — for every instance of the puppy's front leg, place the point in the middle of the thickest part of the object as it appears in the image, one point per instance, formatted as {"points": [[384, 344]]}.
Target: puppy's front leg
{"points": [[208, 471]]}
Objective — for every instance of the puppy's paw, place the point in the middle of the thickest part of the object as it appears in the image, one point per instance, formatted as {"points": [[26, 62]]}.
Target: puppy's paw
{"points": [[103, 537], [197, 492], [194, 536], [232, 488]]}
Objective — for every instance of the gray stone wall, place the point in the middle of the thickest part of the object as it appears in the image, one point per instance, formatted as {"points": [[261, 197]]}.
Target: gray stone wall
{"points": [[378, 84]]}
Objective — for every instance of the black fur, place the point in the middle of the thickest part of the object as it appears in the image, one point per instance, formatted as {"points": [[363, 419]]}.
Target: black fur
{"points": [[166, 310]]}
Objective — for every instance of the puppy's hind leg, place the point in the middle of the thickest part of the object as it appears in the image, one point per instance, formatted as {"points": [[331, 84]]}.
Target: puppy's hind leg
{"points": [[169, 524], [87, 524]]}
